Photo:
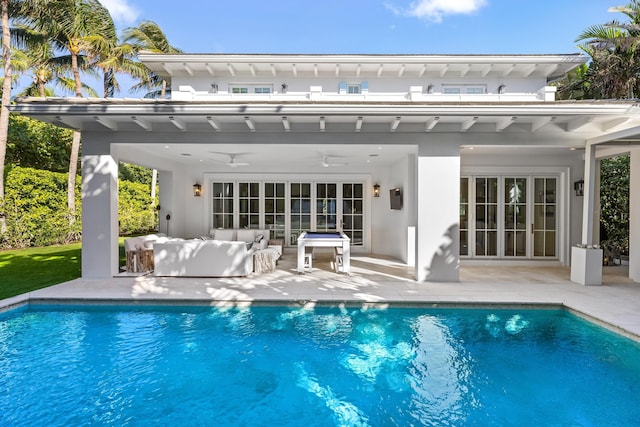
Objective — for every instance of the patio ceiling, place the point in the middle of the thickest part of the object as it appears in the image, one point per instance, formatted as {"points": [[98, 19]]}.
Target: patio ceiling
{"points": [[305, 132], [570, 119]]}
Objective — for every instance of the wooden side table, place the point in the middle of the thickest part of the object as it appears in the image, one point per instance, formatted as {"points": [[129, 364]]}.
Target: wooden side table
{"points": [[140, 261], [277, 242], [264, 260]]}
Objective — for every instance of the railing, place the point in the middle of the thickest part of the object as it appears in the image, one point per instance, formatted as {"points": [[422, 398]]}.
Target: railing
{"points": [[415, 94]]}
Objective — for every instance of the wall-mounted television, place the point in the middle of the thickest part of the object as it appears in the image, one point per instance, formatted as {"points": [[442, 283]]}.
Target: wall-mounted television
{"points": [[395, 195]]}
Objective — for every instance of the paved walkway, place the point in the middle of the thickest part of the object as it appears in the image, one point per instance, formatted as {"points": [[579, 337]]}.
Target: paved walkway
{"points": [[373, 279]]}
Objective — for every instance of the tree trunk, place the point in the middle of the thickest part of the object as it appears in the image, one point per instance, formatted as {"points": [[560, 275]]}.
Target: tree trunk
{"points": [[6, 97], [76, 73], [75, 149], [154, 180], [71, 183]]}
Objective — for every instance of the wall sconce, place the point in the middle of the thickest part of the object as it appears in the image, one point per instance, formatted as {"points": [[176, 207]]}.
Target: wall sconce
{"points": [[376, 190], [578, 186], [501, 89], [430, 89], [197, 190], [214, 87], [284, 87]]}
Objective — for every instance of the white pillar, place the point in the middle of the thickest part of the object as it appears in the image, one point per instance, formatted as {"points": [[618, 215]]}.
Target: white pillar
{"points": [[99, 208], [588, 203], [586, 262], [165, 225], [634, 216], [438, 213]]}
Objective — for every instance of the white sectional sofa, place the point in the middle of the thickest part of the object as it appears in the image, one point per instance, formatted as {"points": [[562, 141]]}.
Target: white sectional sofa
{"points": [[203, 258], [222, 253]]}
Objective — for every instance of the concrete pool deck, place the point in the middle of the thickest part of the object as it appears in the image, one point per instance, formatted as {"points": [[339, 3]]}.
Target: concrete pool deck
{"points": [[373, 280]]}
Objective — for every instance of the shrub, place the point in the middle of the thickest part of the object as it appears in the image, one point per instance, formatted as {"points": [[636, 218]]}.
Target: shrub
{"points": [[36, 213], [35, 208], [136, 213]]}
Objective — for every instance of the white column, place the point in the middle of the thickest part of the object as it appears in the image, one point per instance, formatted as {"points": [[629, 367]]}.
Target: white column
{"points": [[166, 202], [99, 208], [438, 213], [588, 203], [586, 262], [634, 216]]}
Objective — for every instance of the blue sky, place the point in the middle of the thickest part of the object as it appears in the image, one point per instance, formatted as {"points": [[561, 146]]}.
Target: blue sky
{"points": [[369, 26]]}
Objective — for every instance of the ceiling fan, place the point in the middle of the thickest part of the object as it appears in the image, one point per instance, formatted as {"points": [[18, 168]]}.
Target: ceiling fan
{"points": [[326, 163], [232, 159]]}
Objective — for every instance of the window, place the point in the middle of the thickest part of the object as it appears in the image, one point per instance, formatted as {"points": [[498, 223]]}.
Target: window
{"points": [[353, 89], [249, 202], [451, 90], [464, 89], [222, 204], [251, 88]]}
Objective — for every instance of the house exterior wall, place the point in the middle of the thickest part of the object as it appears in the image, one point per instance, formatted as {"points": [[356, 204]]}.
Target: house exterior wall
{"points": [[373, 88], [634, 212]]}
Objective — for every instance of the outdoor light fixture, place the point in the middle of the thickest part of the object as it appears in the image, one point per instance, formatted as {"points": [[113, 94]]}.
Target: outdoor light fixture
{"points": [[284, 87], [197, 190], [214, 87], [376, 190], [430, 89], [578, 186], [501, 89]]}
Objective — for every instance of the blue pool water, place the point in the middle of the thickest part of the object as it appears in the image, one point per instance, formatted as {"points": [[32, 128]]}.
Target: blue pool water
{"points": [[265, 366]]}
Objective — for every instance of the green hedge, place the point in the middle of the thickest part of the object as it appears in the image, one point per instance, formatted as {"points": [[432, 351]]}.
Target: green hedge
{"points": [[36, 214]]}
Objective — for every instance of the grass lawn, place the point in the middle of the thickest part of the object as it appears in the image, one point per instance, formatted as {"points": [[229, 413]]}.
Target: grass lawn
{"points": [[25, 270]]}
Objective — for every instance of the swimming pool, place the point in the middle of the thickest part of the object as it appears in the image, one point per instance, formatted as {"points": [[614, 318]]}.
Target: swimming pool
{"points": [[139, 366]]}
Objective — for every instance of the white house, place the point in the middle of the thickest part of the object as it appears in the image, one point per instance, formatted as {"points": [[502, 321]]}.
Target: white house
{"points": [[482, 156]]}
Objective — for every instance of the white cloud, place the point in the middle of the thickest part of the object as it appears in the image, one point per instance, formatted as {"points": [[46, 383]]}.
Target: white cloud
{"points": [[434, 10], [121, 11]]}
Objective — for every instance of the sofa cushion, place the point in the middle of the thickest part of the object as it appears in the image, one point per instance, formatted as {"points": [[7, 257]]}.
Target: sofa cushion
{"points": [[245, 235], [226, 234]]}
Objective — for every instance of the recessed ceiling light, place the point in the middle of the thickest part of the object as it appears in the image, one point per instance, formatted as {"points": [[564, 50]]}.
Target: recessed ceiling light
{"points": [[572, 148], [166, 146]]}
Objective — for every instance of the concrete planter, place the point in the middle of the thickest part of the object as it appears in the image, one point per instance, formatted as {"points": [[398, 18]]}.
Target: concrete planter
{"points": [[586, 266]]}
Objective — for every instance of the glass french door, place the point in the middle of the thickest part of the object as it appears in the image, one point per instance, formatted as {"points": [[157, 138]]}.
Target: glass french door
{"points": [[515, 217], [508, 217], [275, 213], [289, 208], [545, 217], [353, 212]]}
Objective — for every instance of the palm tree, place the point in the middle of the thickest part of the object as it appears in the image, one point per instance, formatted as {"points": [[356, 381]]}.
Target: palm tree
{"points": [[118, 58], [149, 37], [81, 28], [6, 97], [614, 71], [7, 8]]}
